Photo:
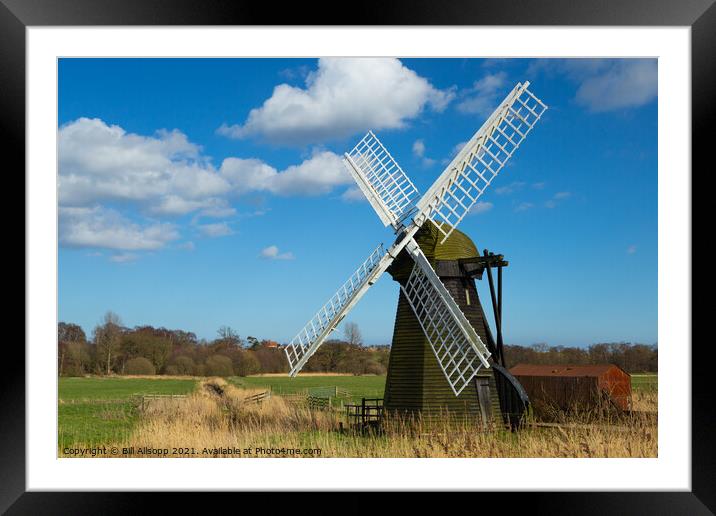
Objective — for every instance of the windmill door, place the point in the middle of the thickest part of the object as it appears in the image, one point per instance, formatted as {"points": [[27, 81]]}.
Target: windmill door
{"points": [[483, 396]]}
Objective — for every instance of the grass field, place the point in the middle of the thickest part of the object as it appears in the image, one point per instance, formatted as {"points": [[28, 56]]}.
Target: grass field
{"points": [[366, 386], [99, 411], [95, 411], [644, 382], [97, 388], [357, 386]]}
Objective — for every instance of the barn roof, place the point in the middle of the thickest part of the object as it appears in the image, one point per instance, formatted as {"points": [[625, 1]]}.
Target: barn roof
{"points": [[562, 370]]}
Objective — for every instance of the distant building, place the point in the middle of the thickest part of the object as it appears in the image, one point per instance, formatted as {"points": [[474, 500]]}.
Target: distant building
{"points": [[270, 344]]}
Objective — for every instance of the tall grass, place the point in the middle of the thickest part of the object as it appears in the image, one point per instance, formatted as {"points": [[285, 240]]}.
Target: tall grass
{"points": [[217, 416]]}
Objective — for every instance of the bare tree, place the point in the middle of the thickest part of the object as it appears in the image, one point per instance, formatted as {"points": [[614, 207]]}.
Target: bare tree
{"points": [[107, 338], [352, 334]]}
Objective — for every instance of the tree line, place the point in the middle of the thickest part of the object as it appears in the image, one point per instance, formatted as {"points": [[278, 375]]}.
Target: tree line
{"points": [[113, 349], [633, 358]]}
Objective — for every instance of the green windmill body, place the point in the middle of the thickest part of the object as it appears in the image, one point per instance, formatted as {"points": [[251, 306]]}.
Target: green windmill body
{"points": [[415, 382]]}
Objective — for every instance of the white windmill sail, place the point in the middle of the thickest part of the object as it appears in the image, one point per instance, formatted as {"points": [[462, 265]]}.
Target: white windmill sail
{"points": [[391, 193], [303, 345], [468, 175], [459, 350]]}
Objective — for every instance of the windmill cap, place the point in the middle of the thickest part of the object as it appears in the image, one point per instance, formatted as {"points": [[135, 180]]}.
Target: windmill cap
{"points": [[457, 246]]}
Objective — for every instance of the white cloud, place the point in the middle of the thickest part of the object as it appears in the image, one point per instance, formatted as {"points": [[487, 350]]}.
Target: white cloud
{"points": [[218, 229], [103, 162], [419, 148], [317, 175], [166, 175], [484, 96], [457, 148], [187, 246], [627, 83], [606, 84], [272, 253], [510, 188], [342, 97], [98, 227], [481, 207], [353, 194], [103, 168], [631, 249], [175, 205], [524, 206], [453, 152], [123, 257], [559, 196], [419, 152]]}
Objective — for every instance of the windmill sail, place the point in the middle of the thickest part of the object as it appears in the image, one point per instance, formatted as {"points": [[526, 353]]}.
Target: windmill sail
{"points": [[459, 350], [388, 189], [303, 345], [465, 179]]}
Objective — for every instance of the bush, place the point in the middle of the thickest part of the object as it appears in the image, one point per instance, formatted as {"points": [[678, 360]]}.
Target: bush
{"points": [[247, 364], [139, 365], [375, 368], [184, 365], [171, 370], [219, 365]]}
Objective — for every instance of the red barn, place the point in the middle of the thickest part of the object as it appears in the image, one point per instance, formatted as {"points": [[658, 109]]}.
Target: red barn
{"points": [[566, 386]]}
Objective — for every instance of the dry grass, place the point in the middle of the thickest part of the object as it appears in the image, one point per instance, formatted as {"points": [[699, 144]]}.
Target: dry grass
{"points": [[283, 375], [217, 416], [644, 401]]}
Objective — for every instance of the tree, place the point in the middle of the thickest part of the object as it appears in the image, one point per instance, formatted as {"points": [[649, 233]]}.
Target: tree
{"points": [[352, 334], [107, 339], [246, 363], [67, 335], [139, 365], [228, 341], [69, 332], [227, 333], [272, 360], [154, 344], [219, 365], [76, 359], [184, 365]]}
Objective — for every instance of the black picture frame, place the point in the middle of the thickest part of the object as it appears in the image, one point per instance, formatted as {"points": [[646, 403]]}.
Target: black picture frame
{"points": [[699, 15]]}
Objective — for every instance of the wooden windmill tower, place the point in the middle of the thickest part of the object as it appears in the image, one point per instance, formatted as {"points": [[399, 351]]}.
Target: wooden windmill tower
{"points": [[444, 355]]}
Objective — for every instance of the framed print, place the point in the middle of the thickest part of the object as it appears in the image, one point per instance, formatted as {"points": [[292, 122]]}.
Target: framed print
{"points": [[207, 189]]}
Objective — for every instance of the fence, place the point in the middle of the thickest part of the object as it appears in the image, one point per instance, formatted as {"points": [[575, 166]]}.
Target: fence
{"points": [[317, 397], [366, 415], [318, 402], [258, 398]]}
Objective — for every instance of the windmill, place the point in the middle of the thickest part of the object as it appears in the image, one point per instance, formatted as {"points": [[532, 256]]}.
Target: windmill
{"points": [[437, 349]]}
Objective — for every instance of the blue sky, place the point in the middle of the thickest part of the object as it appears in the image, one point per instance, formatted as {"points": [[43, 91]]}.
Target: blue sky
{"points": [[196, 193]]}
